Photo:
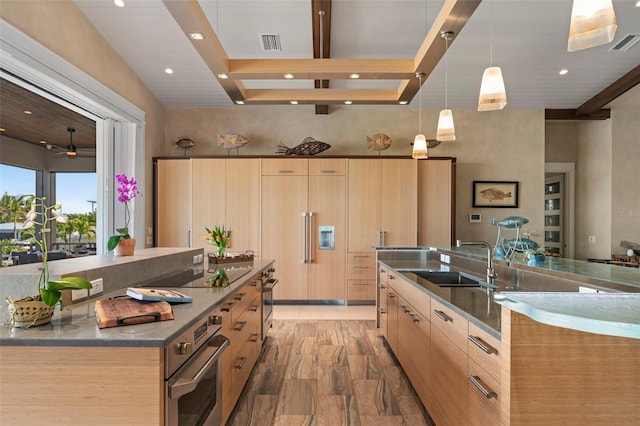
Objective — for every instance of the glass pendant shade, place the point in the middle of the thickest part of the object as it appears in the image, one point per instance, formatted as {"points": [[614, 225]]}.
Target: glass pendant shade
{"points": [[446, 130], [593, 22], [493, 96], [420, 148]]}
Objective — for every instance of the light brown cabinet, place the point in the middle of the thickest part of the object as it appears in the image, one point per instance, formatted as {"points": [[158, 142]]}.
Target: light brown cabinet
{"points": [[382, 203], [436, 202], [199, 193], [361, 277], [300, 197], [241, 321]]}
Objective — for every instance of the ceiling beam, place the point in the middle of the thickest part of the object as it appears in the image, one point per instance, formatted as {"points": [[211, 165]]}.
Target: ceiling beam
{"points": [[321, 97], [572, 114], [321, 28], [611, 92], [453, 16], [192, 19]]}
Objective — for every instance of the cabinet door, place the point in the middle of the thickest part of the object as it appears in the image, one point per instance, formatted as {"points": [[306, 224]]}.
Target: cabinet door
{"points": [[284, 199], [207, 195], [392, 319], [399, 214], [242, 203], [327, 202], [173, 203], [435, 203], [364, 204]]}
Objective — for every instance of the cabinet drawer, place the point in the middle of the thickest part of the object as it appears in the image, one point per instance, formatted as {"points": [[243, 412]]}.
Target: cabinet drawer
{"points": [[285, 166], [244, 361], [361, 266], [240, 301], [420, 301], [328, 166], [484, 349], [452, 325], [361, 290], [414, 337], [484, 398]]}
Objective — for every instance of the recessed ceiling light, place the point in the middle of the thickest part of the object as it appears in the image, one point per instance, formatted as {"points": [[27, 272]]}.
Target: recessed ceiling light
{"points": [[288, 76], [354, 76], [402, 102], [43, 142], [563, 71], [26, 111], [119, 3], [223, 76], [348, 102], [240, 102], [638, 4], [168, 70], [2, 129], [294, 102], [196, 36]]}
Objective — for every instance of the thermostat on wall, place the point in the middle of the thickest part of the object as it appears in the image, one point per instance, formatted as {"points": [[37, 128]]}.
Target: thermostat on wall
{"points": [[475, 218]]}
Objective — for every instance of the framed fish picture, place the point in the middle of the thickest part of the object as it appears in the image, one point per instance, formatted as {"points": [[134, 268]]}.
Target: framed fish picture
{"points": [[495, 194]]}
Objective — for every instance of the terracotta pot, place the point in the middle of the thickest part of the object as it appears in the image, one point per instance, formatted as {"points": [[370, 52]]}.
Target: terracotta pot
{"points": [[29, 314], [125, 247]]}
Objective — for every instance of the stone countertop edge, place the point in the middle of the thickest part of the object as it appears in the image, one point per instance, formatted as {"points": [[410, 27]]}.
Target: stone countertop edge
{"points": [[591, 313], [76, 325]]}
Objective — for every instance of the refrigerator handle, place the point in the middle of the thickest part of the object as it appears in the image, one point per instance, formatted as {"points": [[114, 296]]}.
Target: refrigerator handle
{"points": [[310, 237], [304, 237]]}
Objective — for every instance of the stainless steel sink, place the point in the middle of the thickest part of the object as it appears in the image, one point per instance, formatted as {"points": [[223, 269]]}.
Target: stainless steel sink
{"points": [[449, 279]]}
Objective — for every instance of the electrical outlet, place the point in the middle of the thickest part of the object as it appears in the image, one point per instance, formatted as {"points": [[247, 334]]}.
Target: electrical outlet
{"points": [[195, 259], [444, 258], [79, 294], [98, 287], [149, 240]]}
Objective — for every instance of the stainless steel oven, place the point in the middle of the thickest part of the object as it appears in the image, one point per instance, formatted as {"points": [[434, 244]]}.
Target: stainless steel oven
{"points": [[268, 282], [193, 376]]}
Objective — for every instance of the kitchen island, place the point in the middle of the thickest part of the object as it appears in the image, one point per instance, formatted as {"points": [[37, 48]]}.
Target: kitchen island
{"points": [[533, 348], [72, 372]]}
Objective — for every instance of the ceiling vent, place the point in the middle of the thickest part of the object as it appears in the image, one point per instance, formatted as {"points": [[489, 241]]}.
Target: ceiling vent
{"points": [[626, 43], [271, 42]]}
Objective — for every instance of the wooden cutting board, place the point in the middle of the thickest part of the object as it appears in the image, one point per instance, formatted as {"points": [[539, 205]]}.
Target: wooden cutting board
{"points": [[128, 311]]}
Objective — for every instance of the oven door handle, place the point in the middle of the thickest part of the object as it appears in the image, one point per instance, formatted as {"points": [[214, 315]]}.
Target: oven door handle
{"points": [[184, 386], [269, 285]]}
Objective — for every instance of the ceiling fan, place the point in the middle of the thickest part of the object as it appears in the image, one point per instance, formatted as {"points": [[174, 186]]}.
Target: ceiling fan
{"points": [[71, 151]]}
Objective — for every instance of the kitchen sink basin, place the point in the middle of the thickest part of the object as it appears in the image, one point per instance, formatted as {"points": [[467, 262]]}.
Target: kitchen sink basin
{"points": [[449, 279]]}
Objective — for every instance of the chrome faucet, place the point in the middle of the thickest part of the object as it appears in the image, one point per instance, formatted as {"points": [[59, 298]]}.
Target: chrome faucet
{"points": [[491, 274]]}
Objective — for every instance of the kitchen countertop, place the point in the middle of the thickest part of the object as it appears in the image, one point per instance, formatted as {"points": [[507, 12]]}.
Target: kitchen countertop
{"points": [[613, 314], [601, 313], [76, 325]]}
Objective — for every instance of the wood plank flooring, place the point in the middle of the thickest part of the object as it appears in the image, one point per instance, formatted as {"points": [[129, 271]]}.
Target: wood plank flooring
{"points": [[327, 372]]}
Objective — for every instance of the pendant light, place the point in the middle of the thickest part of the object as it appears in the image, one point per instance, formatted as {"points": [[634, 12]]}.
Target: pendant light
{"points": [[493, 95], [593, 22], [420, 142], [71, 148], [446, 130]]}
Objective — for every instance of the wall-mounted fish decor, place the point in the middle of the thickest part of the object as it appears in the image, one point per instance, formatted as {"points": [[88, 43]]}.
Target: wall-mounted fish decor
{"points": [[379, 142], [309, 146], [494, 194], [231, 140], [185, 143]]}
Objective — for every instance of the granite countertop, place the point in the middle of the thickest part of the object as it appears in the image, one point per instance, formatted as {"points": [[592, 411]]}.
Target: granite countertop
{"points": [[76, 325], [616, 314], [613, 314]]}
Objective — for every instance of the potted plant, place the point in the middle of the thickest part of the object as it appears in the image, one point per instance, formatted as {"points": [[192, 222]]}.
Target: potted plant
{"points": [[219, 237], [122, 242], [37, 310]]}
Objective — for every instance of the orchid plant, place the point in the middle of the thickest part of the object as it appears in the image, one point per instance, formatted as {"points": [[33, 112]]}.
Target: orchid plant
{"points": [[40, 214], [128, 190]]}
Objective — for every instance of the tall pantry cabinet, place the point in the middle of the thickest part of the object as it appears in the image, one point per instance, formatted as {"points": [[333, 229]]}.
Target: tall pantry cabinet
{"points": [[304, 226], [199, 193]]}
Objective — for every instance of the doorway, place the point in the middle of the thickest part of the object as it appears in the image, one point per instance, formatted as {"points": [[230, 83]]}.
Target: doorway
{"points": [[559, 202]]}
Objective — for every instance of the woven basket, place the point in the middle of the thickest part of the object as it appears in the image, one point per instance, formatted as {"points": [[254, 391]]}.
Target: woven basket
{"points": [[29, 314]]}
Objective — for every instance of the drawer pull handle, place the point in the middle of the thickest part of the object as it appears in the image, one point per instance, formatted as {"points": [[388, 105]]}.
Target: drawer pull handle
{"points": [[254, 338], [413, 317], [328, 171], [240, 296], [239, 326], [240, 362], [382, 312], [487, 348], [444, 317], [487, 392], [254, 308], [392, 277], [286, 171], [361, 256], [360, 283], [382, 271], [360, 267], [392, 296], [228, 306]]}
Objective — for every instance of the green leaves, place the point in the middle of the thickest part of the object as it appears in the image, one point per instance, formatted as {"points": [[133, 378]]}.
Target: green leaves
{"points": [[112, 242], [51, 294]]}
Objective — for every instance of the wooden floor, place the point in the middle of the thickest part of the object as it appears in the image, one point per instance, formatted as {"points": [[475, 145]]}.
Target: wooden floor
{"points": [[327, 372]]}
